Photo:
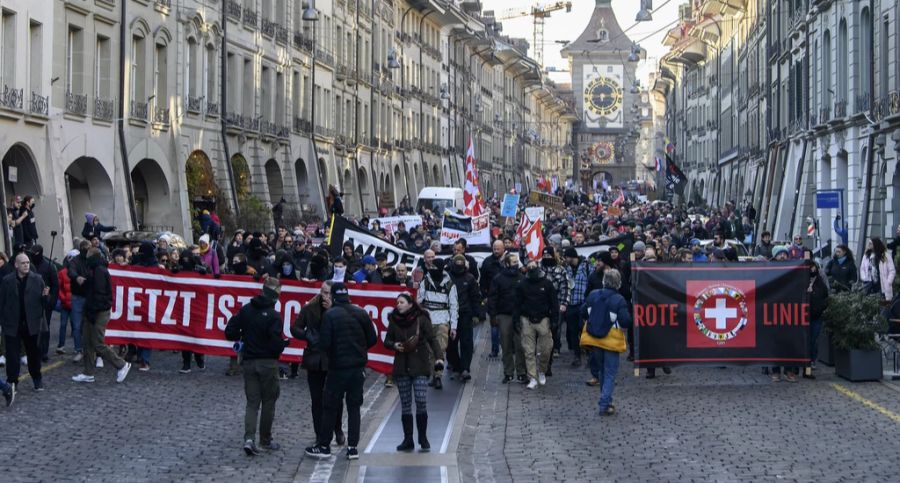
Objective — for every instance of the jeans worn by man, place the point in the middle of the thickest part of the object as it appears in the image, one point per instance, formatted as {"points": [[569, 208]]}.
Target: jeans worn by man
{"points": [[607, 364]]}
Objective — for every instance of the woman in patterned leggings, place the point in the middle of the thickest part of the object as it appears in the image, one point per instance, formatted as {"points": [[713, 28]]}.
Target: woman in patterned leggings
{"points": [[411, 336]]}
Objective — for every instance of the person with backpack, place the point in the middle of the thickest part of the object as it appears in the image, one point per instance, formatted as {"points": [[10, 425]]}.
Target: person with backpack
{"points": [[604, 309]]}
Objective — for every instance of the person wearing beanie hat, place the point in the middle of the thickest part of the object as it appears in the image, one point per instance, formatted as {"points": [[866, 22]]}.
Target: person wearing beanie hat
{"points": [[209, 256], [461, 348], [93, 227], [638, 249], [257, 329], [779, 253], [437, 293], [369, 272], [346, 336]]}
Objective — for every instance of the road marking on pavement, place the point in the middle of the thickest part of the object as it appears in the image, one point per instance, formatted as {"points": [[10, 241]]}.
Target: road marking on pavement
{"points": [[865, 402], [43, 369], [324, 467]]}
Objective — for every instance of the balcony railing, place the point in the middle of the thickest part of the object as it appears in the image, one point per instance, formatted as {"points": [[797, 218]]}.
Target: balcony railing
{"points": [[251, 123], [886, 106], [268, 128], [163, 3], [12, 98], [281, 34], [40, 104], [161, 115], [268, 27], [76, 103], [233, 119], [840, 109], [233, 10], [302, 42], [861, 103], [325, 57], [104, 109], [194, 104], [139, 110], [824, 115], [212, 109], [302, 125], [250, 18]]}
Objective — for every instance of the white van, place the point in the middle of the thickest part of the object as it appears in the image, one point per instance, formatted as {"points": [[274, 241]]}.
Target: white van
{"points": [[437, 199]]}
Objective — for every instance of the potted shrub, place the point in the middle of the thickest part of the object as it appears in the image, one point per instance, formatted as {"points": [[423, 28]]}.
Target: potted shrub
{"points": [[852, 321]]}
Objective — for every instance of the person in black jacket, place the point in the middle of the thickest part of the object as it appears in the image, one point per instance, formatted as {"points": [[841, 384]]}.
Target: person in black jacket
{"points": [[841, 269], [536, 304], [490, 267], [47, 271], [22, 301], [258, 327], [76, 270], [347, 335], [501, 305], [306, 328], [818, 302], [93, 227], [97, 305], [459, 248], [461, 347]]}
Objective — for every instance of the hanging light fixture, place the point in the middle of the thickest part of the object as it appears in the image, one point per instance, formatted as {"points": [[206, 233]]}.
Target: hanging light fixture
{"points": [[393, 62], [635, 54], [643, 14], [310, 14]]}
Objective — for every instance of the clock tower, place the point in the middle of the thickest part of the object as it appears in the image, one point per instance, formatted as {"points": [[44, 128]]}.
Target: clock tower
{"points": [[606, 134]]}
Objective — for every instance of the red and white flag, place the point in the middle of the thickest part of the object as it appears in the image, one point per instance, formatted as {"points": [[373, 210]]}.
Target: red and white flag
{"points": [[620, 199], [534, 241], [471, 192]]}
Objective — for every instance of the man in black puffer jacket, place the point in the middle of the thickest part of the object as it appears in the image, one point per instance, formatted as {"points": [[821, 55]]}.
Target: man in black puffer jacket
{"points": [[501, 306], [307, 327], [536, 304], [347, 335], [259, 327]]}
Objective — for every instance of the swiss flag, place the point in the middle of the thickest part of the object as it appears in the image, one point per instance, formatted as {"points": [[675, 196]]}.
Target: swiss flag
{"points": [[534, 241], [721, 314]]}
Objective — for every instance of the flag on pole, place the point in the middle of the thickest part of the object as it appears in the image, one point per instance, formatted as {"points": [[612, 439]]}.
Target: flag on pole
{"points": [[658, 164], [811, 229], [534, 241], [620, 199], [474, 204], [524, 226]]}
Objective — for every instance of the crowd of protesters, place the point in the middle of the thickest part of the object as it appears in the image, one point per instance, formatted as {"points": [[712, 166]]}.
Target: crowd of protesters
{"points": [[537, 306]]}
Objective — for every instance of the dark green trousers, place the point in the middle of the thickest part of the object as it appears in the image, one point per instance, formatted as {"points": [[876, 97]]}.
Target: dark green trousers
{"points": [[262, 390]]}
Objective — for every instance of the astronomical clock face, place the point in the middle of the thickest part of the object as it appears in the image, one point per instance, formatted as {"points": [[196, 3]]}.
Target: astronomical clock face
{"points": [[603, 96], [604, 152]]}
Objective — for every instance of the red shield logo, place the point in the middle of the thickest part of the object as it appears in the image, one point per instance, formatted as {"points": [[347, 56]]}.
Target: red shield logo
{"points": [[720, 314]]}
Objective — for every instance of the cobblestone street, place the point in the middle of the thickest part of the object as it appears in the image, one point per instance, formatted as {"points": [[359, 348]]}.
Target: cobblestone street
{"points": [[698, 424]]}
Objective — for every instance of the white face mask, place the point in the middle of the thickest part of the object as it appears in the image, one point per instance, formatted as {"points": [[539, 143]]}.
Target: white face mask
{"points": [[339, 273]]}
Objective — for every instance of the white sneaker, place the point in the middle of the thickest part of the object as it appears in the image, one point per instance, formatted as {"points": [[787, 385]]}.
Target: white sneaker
{"points": [[83, 378], [122, 373], [99, 362], [2, 360], [542, 378], [77, 358], [532, 384], [24, 360]]}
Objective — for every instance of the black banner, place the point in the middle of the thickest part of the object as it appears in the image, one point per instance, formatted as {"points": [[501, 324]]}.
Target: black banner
{"points": [[675, 178], [720, 313]]}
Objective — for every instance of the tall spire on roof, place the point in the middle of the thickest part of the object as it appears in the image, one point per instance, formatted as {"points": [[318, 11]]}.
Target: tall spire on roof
{"points": [[602, 32]]}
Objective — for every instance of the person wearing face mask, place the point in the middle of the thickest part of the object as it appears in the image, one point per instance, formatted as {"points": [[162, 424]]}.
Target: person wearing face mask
{"points": [[818, 302], [257, 256], [369, 272], [462, 346], [437, 294], [340, 272], [501, 305], [490, 267], [578, 270], [96, 316], [557, 275], [536, 304], [841, 269], [411, 335], [306, 327], [51, 280], [284, 266]]}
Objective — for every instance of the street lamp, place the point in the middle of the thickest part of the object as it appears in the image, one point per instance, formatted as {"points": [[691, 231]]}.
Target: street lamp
{"points": [[634, 56], [393, 62], [644, 14], [310, 14], [445, 94]]}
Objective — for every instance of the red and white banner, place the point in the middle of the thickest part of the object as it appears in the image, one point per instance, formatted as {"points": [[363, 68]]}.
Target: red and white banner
{"points": [[474, 204], [157, 309], [534, 241]]}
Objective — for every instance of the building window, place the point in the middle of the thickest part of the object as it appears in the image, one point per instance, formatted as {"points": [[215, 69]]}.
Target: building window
{"points": [[843, 66], [212, 73], [74, 61], [138, 64], [161, 83], [8, 69], [279, 98], [104, 65], [247, 99], [865, 52], [35, 56], [193, 67], [826, 71]]}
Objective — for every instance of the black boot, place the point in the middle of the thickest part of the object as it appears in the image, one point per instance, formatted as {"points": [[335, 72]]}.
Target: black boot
{"points": [[422, 424], [407, 444]]}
